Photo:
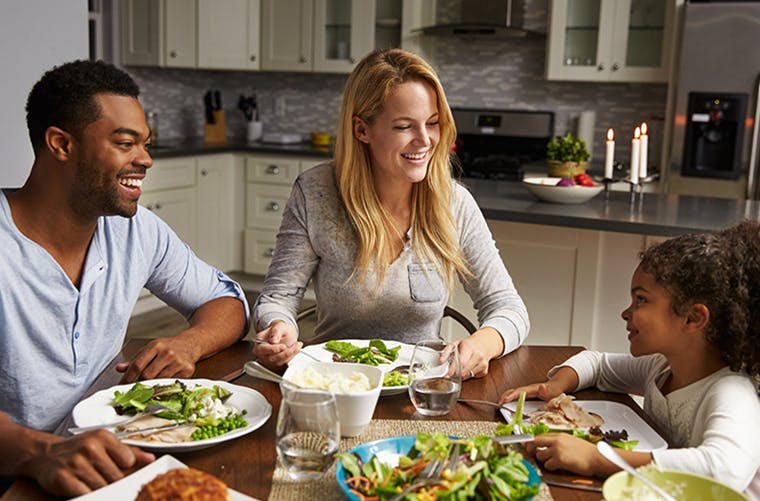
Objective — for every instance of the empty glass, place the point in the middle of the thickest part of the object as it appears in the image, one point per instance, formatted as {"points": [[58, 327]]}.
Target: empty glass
{"points": [[435, 377], [308, 432]]}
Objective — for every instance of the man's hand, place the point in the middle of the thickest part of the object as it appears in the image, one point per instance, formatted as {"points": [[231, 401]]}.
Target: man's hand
{"points": [[80, 464], [161, 358]]}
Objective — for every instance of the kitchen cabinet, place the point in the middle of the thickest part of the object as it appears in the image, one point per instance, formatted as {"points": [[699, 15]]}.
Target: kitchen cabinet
{"points": [[269, 181], [610, 40], [191, 33], [574, 282], [333, 35]]}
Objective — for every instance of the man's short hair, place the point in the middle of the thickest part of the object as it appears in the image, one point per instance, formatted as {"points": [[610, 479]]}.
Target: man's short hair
{"points": [[64, 96]]}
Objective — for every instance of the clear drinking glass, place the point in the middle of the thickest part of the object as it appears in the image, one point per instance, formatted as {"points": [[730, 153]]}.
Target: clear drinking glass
{"points": [[308, 432], [435, 377]]}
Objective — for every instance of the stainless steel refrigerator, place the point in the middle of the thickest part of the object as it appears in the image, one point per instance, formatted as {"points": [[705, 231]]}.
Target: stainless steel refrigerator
{"points": [[714, 146]]}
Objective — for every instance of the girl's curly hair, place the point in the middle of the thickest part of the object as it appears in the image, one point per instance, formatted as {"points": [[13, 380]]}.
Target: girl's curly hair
{"points": [[722, 271]]}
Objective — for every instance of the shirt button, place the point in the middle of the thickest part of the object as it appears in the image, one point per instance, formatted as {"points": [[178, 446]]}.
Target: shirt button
{"points": [[219, 274], [76, 335]]}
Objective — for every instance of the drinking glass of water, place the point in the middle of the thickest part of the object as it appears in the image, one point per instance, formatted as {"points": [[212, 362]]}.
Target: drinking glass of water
{"points": [[435, 377], [308, 432]]}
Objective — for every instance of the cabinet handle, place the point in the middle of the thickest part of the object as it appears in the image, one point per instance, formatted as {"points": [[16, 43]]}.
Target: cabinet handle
{"points": [[600, 67], [158, 206], [269, 252], [273, 169], [173, 53], [253, 57], [302, 59], [204, 172], [273, 206], [149, 207], [352, 60], [615, 66]]}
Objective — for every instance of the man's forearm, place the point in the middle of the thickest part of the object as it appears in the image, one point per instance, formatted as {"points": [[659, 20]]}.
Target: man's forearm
{"points": [[216, 325], [20, 446]]}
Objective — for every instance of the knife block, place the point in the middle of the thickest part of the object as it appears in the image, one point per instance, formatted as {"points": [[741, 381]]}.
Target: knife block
{"points": [[215, 133]]}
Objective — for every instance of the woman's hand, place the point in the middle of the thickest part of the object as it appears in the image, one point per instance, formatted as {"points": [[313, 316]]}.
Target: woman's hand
{"points": [[562, 451], [477, 350], [283, 345]]}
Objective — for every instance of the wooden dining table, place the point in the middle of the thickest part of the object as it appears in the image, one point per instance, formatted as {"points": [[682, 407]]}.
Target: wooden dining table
{"points": [[247, 464]]}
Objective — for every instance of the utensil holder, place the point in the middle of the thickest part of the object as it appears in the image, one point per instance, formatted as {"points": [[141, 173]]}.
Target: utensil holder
{"points": [[215, 133], [254, 131]]}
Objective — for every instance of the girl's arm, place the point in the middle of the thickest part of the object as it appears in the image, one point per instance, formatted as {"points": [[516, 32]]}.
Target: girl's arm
{"points": [[564, 380]]}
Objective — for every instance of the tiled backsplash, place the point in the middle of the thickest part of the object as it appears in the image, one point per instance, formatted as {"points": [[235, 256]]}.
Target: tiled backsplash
{"points": [[481, 73]]}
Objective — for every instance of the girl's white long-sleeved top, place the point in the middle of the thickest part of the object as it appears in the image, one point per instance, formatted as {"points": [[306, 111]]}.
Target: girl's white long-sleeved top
{"points": [[711, 424]]}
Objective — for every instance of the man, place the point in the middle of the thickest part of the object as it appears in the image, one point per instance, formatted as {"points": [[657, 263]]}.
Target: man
{"points": [[75, 251]]}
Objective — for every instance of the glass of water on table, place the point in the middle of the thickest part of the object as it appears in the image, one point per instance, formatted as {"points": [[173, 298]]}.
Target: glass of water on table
{"points": [[435, 377], [308, 432]]}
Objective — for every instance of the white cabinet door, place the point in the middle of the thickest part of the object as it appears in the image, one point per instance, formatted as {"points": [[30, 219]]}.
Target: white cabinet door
{"points": [[344, 31], [228, 34], [216, 209], [180, 33], [141, 41], [610, 40], [178, 208], [286, 35]]}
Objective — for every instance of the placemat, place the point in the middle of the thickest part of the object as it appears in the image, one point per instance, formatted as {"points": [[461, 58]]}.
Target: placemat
{"points": [[327, 489]]}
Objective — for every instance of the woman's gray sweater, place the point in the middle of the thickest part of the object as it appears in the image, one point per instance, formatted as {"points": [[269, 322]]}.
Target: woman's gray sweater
{"points": [[317, 242]]}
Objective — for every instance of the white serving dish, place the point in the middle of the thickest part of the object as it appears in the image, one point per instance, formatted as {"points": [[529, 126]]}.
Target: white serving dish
{"points": [[355, 410], [546, 189]]}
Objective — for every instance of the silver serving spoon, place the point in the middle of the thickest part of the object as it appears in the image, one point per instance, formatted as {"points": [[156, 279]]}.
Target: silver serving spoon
{"points": [[255, 369], [608, 452], [149, 411]]}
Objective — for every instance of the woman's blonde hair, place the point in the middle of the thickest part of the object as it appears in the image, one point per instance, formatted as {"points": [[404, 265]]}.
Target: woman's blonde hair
{"points": [[432, 225]]}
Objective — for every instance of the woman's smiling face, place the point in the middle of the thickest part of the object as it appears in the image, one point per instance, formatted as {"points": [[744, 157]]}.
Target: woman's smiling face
{"points": [[403, 136]]}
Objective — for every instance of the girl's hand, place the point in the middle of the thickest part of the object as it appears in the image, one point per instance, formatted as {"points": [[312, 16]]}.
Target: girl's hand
{"points": [[544, 391], [562, 451], [282, 345]]}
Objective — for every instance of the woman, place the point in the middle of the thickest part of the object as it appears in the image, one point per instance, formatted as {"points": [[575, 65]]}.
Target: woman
{"points": [[383, 229]]}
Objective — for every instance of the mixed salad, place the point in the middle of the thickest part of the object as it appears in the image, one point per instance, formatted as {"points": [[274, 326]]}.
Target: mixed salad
{"points": [[375, 353], [594, 434], [203, 407], [483, 470]]}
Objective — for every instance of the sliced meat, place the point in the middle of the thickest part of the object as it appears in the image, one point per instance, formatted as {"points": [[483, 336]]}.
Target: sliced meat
{"points": [[562, 412]]}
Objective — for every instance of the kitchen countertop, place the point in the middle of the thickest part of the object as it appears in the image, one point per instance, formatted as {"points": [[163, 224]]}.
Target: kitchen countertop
{"points": [[650, 214]]}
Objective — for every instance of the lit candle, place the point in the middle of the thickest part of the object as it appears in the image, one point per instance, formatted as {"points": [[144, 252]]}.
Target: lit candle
{"points": [[635, 152], [644, 150], [609, 157]]}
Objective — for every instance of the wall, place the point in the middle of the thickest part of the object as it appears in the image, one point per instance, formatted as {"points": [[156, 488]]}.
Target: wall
{"points": [[35, 35], [487, 73]]}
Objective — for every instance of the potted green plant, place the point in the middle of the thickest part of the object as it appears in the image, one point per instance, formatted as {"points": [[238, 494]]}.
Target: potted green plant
{"points": [[566, 156]]}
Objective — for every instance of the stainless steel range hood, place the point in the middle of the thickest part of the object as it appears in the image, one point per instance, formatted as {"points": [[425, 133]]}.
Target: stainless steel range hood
{"points": [[485, 18]]}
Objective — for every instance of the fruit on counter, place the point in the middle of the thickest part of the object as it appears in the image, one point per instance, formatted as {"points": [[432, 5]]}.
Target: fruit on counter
{"points": [[565, 181], [583, 179]]}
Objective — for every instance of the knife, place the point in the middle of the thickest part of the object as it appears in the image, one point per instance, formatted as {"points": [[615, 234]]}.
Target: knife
{"points": [[148, 431], [208, 107], [217, 100], [581, 484]]}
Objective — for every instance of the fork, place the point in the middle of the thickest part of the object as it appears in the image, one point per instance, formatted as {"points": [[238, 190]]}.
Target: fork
{"points": [[431, 474], [148, 411], [302, 352]]}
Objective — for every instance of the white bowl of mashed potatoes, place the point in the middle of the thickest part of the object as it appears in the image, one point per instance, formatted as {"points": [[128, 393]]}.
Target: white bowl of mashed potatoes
{"points": [[356, 388]]}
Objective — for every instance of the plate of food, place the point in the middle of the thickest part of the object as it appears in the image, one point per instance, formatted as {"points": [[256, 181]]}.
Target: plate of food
{"points": [[615, 422], [202, 412], [552, 189], [480, 464], [152, 483], [386, 355]]}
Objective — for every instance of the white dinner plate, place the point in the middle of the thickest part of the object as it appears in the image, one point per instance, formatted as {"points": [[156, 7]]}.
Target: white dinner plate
{"points": [[325, 355], [97, 410], [127, 488], [616, 417]]}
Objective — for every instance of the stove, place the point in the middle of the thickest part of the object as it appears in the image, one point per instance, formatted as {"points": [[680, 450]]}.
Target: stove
{"points": [[496, 144]]}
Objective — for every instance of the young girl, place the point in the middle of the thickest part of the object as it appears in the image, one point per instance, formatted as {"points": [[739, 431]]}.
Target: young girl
{"points": [[694, 332]]}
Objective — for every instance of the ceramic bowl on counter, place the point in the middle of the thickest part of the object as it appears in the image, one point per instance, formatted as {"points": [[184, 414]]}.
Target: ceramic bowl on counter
{"points": [[546, 189], [355, 405]]}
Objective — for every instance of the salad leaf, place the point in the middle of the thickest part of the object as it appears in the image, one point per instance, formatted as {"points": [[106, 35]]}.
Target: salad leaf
{"points": [[375, 353]]}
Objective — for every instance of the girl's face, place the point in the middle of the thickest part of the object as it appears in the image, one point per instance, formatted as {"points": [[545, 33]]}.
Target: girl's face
{"points": [[402, 138], [652, 325]]}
